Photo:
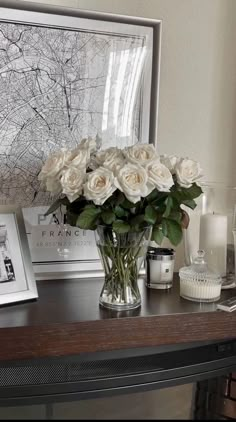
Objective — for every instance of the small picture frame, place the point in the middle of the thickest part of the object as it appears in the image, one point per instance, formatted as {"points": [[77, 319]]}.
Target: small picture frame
{"points": [[17, 282]]}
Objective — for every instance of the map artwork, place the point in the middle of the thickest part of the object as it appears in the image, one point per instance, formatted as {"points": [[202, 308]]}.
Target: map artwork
{"points": [[57, 87]]}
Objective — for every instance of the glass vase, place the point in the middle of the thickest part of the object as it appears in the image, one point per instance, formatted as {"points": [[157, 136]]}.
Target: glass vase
{"points": [[122, 256]]}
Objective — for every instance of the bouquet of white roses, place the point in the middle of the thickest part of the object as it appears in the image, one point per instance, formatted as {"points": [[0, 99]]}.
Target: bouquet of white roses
{"points": [[125, 190]]}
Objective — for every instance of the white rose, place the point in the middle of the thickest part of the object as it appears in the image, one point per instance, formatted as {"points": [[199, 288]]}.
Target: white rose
{"points": [[160, 176], [114, 164], [108, 155], [132, 180], [99, 186], [53, 185], [141, 154], [54, 164], [92, 165], [72, 181], [169, 161], [110, 158], [89, 144], [79, 158], [187, 172]]}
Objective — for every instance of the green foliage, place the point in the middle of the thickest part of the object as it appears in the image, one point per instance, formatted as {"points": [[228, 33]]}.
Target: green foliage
{"points": [[150, 214], [161, 210], [176, 215], [121, 227], [87, 219], [137, 223], [127, 204], [71, 217], [194, 191], [173, 231], [181, 194], [53, 207], [189, 203], [169, 205], [120, 212], [157, 234], [108, 217]]}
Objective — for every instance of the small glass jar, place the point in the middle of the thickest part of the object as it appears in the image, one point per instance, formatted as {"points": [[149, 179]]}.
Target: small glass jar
{"points": [[160, 268], [198, 283]]}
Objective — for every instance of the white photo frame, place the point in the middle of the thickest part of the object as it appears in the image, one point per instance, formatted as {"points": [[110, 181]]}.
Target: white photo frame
{"points": [[58, 250], [120, 105], [17, 282]]}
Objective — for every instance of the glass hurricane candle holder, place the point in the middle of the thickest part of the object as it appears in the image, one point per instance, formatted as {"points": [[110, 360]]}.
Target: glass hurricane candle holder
{"points": [[211, 229]]}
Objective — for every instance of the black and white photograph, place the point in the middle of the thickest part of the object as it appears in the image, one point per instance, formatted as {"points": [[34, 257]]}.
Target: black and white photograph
{"points": [[17, 280], [7, 273]]}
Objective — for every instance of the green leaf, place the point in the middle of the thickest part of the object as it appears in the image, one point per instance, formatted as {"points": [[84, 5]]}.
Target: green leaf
{"points": [[164, 228], [181, 194], [137, 222], [169, 205], [175, 215], [152, 196], [120, 198], [53, 207], [178, 196], [157, 234], [194, 191], [65, 201], [150, 214], [87, 219], [156, 198], [189, 203], [71, 218], [89, 206], [108, 217], [120, 212], [127, 204], [174, 231], [120, 226], [77, 207]]}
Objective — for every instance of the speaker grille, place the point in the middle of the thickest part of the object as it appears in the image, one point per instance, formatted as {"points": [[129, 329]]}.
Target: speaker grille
{"points": [[76, 371]]}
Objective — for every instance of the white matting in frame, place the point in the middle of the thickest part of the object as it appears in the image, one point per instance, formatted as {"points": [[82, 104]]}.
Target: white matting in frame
{"points": [[57, 250], [17, 282]]}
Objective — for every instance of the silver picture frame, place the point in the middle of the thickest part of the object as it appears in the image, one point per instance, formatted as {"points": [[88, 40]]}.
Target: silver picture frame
{"points": [[17, 280], [146, 33]]}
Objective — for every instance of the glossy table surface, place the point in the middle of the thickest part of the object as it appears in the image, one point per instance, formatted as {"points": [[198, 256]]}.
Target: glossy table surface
{"points": [[67, 319]]}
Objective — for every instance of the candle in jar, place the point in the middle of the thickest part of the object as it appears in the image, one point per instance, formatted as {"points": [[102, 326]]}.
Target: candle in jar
{"points": [[160, 267], [161, 271], [213, 240], [200, 290]]}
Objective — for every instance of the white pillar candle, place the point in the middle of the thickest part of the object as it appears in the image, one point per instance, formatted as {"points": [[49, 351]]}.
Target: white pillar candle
{"points": [[213, 240]]}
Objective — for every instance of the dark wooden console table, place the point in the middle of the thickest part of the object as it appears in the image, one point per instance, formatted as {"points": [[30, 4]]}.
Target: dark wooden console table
{"points": [[65, 346]]}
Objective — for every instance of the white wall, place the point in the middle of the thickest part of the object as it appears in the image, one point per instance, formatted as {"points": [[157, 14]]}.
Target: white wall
{"points": [[197, 110]]}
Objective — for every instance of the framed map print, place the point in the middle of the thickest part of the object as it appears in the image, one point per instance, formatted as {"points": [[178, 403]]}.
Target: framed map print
{"points": [[66, 75]]}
